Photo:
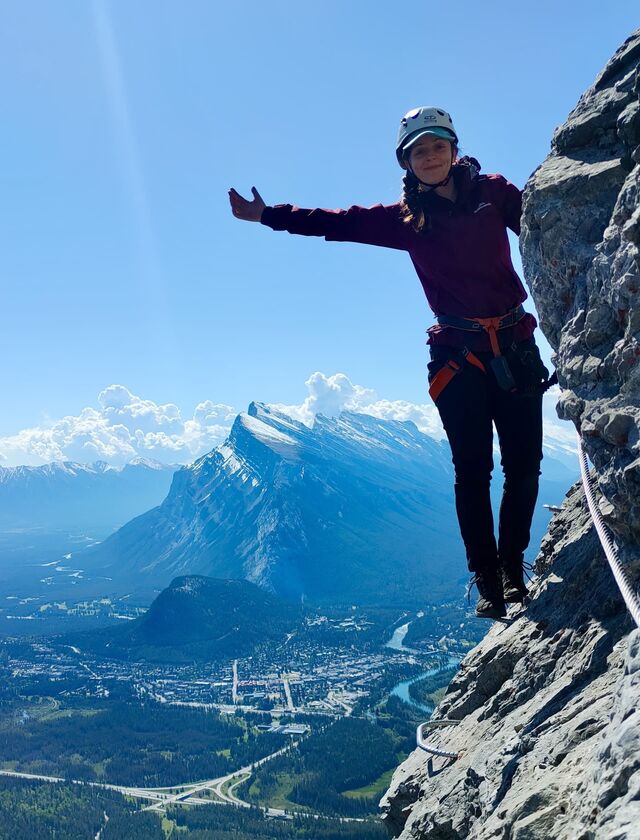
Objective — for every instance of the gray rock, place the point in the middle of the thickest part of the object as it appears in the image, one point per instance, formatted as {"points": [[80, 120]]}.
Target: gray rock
{"points": [[535, 701], [581, 229]]}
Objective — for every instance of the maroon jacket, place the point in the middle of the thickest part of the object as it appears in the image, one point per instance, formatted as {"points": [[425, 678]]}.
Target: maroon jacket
{"points": [[463, 262]]}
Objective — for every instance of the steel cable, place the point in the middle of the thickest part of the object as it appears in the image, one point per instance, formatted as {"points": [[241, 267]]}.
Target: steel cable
{"points": [[606, 540]]}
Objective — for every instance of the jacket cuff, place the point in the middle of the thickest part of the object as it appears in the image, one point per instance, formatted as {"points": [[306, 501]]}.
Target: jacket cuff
{"points": [[275, 217]]}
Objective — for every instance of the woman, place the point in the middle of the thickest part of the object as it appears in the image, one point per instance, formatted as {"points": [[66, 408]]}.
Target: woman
{"points": [[485, 367]]}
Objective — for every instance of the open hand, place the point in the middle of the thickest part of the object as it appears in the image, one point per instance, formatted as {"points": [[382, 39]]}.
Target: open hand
{"points": [[249, 211]]}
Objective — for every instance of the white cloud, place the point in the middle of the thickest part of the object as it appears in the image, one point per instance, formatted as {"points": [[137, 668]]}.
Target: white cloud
{"points": [[559, 435], [123, 427], [329, 395]]}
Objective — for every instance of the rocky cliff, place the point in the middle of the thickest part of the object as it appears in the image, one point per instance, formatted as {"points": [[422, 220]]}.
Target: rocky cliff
{"points": [[546, 711]]}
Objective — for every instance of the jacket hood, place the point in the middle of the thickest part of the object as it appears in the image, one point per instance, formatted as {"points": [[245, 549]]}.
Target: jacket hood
{"points": [[468, 164], [465, 173]]}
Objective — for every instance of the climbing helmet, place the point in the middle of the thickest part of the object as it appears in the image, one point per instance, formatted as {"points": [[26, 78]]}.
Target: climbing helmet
{"points": [[420, 121]]}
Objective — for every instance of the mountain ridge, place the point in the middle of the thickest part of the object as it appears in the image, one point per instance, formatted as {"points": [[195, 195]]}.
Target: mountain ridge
{"points": [[97, 497], [338, 511]]}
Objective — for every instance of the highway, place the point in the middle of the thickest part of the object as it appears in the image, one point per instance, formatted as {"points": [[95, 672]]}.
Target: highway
{"points": [[162, 797]]}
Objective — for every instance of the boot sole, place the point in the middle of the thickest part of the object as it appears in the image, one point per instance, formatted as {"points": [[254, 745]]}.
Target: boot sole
{"points": [[491, 614], [515, 597]]}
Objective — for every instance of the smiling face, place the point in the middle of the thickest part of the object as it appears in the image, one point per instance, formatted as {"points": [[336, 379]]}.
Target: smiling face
{"points": [[430, 158]]}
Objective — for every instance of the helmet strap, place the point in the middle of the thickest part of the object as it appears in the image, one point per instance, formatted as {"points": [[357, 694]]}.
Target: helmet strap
{"points": [[442, 183]]}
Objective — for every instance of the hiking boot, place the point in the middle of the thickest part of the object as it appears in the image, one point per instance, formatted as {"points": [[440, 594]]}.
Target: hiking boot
{"points": [[514, 586], [491, 599]]}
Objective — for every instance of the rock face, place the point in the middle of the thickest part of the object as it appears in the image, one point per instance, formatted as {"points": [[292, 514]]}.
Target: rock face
{"points": [[546, 710], [549, 724], [581, 231]]}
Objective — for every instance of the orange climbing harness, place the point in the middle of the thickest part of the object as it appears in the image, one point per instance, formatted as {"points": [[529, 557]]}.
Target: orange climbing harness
{"points": [[498, 364], [451, 368]]}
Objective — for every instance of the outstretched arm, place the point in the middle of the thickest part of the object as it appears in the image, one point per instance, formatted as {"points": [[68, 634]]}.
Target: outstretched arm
{"points": [[377, 225]]}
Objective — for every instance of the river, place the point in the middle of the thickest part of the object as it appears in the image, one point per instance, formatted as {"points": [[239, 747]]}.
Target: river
{"points": [[401, 690]]}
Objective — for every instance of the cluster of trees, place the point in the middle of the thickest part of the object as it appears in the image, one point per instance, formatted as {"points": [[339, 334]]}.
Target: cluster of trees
{"points": [[136, 744], [221, 822], [422, 690], [31, 809], [443, 620], [139, 826], [8, 688], [402, 719], [347, 754]]}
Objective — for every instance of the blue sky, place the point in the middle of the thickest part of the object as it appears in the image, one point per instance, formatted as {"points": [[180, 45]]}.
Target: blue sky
{"points": [[125, 124]]}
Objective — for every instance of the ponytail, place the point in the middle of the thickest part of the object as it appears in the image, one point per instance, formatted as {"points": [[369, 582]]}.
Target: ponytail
{"points": [[411, 203]]}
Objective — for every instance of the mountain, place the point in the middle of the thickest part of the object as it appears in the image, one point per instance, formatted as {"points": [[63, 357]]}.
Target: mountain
{"points": [[90, 498], [545, 711], [354, 509], [336, 511], [199, 618]]}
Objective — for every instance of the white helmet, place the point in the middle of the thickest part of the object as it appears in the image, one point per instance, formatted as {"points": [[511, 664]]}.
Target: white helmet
{"points": [[420, 121]]}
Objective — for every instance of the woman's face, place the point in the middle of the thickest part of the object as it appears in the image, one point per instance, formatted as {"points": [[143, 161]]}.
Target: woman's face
{"points": [[431, 158]]}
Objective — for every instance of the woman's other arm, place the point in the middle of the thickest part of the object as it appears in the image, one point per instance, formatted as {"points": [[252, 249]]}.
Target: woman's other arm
{"points": [[377, 225], [510, 202]]}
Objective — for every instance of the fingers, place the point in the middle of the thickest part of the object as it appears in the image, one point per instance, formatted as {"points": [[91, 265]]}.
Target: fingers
{"points": [[236, 201], [246, 209], [234, 194], [233, 200]]}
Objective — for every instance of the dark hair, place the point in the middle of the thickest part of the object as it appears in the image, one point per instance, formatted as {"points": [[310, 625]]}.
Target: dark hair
{"points": [[412, 201]]}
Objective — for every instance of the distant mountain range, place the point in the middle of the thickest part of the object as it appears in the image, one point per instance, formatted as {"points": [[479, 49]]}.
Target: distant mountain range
{"points": [[86, 498], [353, 510], [199, 618]]}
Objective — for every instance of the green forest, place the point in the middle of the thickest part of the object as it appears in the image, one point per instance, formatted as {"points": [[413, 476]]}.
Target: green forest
{"points": [[347, 755], [228, 823], [31, 810], [430, 689], [147, 744]]}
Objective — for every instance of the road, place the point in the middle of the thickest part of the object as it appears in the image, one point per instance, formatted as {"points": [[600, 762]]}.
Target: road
{"points": [[215, 785], [287, 691], [162, 797], [234, 690]]}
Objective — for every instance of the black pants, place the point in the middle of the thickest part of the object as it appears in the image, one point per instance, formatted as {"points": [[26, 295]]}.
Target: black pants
{"points": [[469, 406]]}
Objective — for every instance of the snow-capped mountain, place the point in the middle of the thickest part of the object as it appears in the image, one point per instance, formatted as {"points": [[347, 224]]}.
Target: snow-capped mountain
{"points": [[66, 496], [354, 509]]}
